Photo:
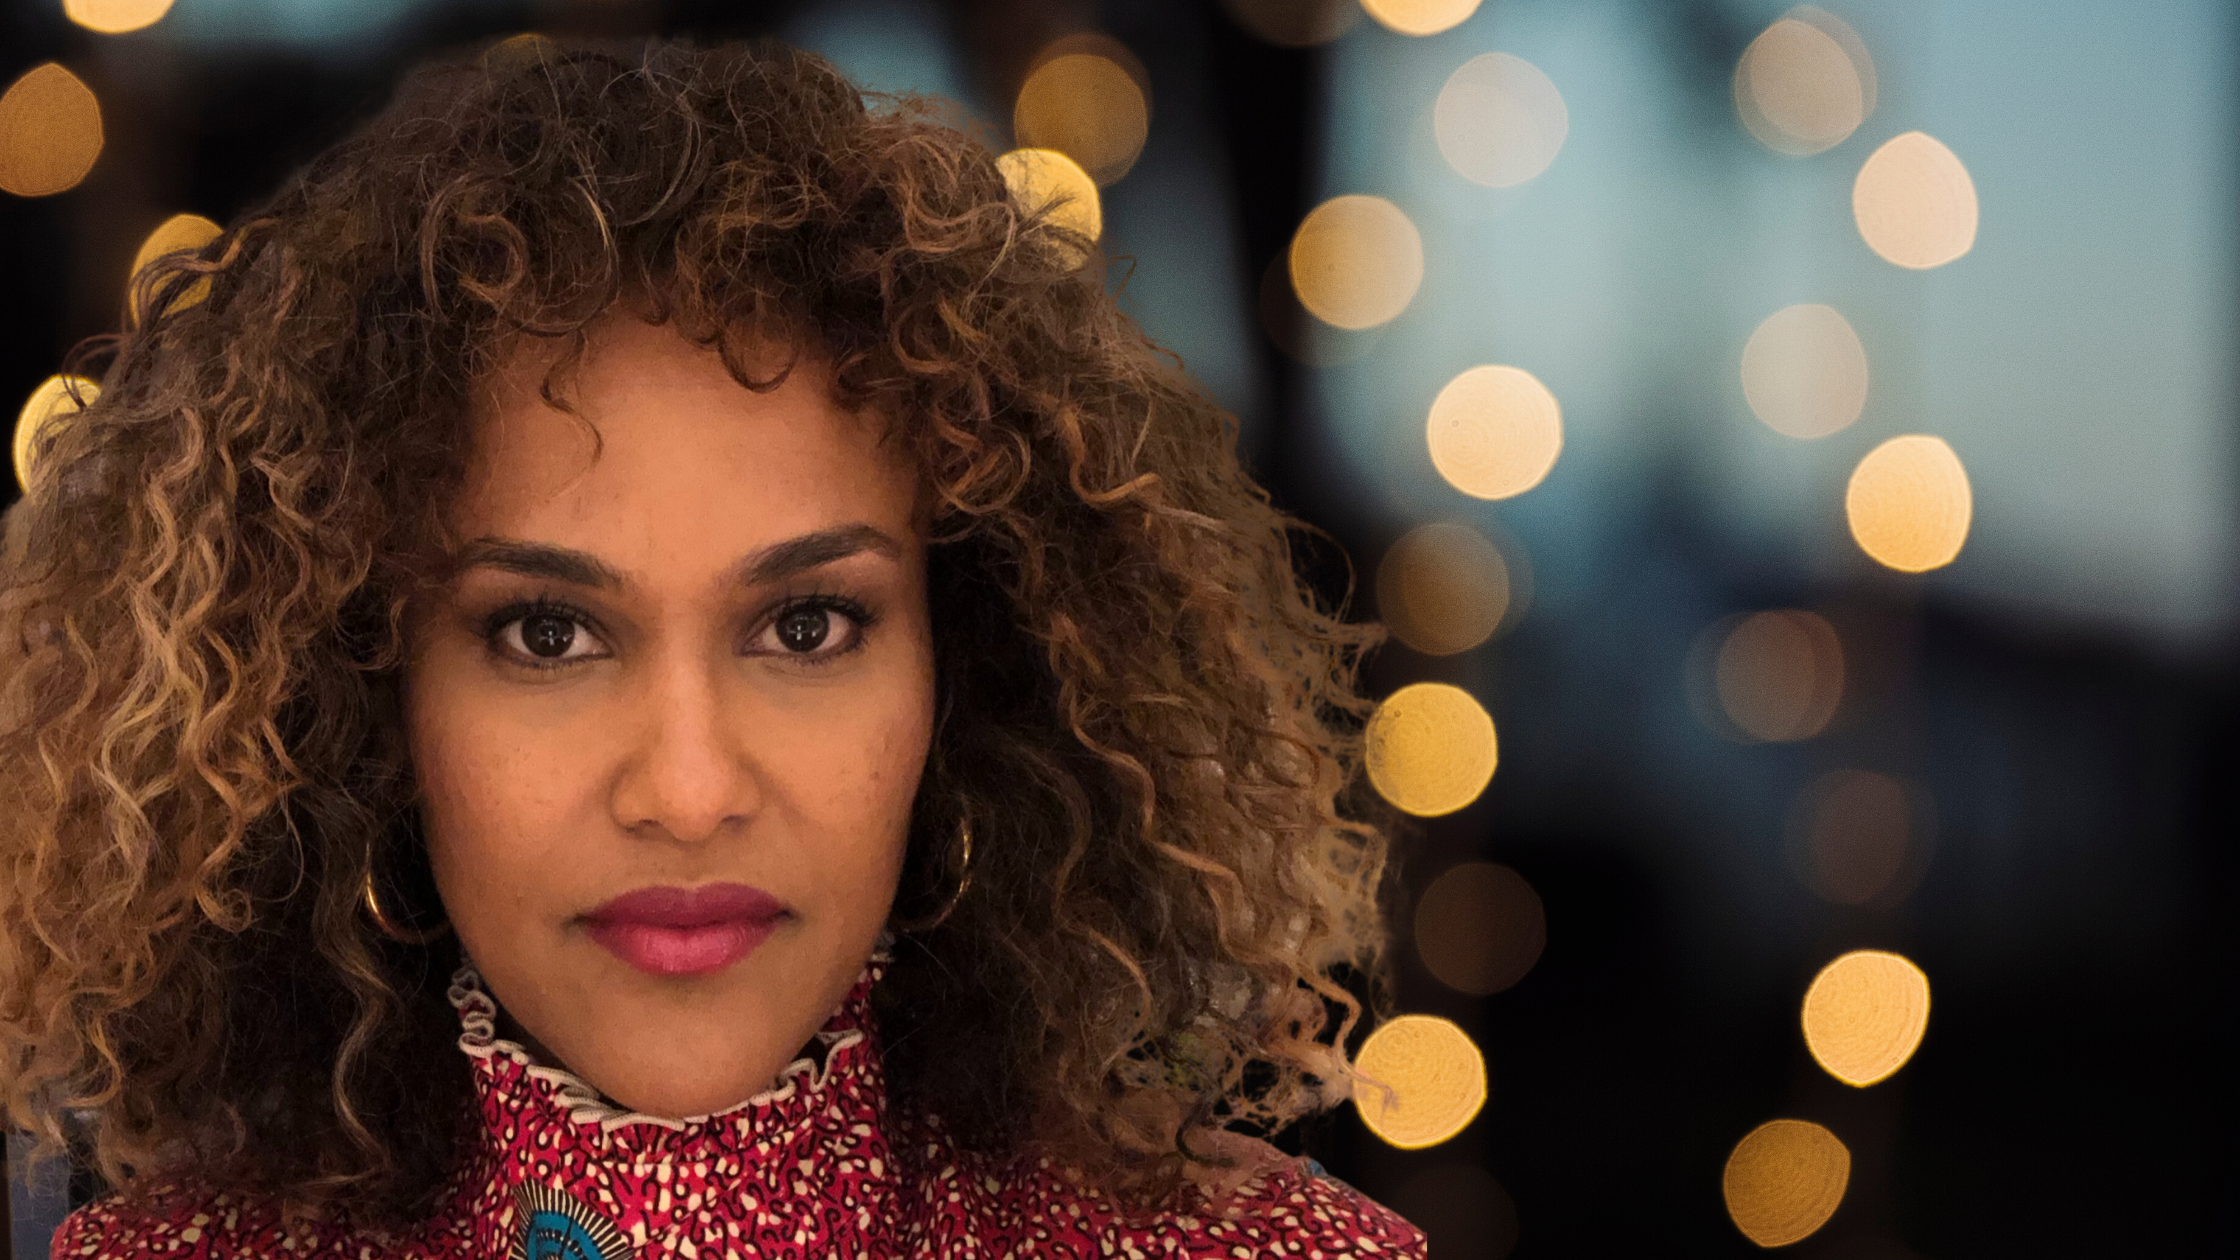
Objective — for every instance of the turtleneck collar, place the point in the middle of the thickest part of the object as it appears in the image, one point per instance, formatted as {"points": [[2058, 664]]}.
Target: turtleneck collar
{"points": [[803, 1164]]}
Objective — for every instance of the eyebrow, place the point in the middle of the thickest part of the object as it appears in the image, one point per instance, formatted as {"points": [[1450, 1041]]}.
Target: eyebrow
{"points": [[774, 563]]}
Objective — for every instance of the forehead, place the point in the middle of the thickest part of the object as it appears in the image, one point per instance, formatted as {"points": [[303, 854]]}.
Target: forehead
{"points": [[668, 457]]}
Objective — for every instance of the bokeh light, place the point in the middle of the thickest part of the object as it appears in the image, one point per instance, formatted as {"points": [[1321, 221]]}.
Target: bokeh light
{"points": [[1088, 98], [1864, 1015], [115, 17], [1914, 202], [1295, 330], [1442, 588], [1858, 835], [518, 51], [1804, 371], [49, 405], [1431, 749], [1294, 23], [1356, 261], [1779, 675], [1499, 121], [1909, 503], [1805, 83], [50, 132], [1784, 1180], [1421, 17], [1862, 62], [1480, 927], [179, 232], [1044, 179], [1436, 1078], [1495, 432], [1463, 1212]]}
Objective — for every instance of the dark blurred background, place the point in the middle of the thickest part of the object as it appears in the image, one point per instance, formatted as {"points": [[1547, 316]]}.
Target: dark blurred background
{"points": [[2016, 769]]}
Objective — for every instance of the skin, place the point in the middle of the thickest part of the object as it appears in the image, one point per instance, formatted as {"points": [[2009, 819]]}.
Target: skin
{"points": [[688, 739]]}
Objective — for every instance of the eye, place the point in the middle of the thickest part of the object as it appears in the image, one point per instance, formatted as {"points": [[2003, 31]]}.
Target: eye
{"points": [[542, 635], [818, 629]]}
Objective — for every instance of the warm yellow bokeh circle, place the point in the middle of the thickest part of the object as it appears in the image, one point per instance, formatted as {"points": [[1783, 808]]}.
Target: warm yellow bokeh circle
{"points": [[1431, 749], [1420, 17], [1356, 261], [179, 232], [1042, 178], [1436, 1074], [1914, 202], [1864, 1015], [115, 17], [1909, 504], [1784, 1180], [516, 52], [48, 406], [1088, 107], [1494, 432], [50, 132]]}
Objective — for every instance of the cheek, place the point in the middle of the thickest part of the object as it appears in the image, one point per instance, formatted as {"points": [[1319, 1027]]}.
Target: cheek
{"points": [[851, 768], [481, 812], [859, 775]]}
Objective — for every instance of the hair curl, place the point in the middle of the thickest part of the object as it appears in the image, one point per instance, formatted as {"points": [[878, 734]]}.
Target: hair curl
{"points": [[1151, 724]]}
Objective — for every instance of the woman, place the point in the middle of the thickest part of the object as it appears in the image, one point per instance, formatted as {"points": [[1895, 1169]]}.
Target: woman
{"points": [[642, 664]]}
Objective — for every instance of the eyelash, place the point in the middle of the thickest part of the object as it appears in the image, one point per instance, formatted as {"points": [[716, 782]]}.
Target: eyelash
{"points": [[546, 606]]}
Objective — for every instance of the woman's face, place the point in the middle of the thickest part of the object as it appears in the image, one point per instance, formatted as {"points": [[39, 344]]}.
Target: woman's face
{"points": [[666, 807]]}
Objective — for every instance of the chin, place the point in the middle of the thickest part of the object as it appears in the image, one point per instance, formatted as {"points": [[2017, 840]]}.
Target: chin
{"points": [[675, 1049], [679, 1068], [677, 1100]]}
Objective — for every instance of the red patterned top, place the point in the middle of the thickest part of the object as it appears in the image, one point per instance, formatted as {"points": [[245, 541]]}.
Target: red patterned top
{"points": [[813, 1167]]}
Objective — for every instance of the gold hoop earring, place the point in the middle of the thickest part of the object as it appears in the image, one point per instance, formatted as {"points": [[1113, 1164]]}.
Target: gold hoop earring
{"points": [[390, 927], [964, 881]]}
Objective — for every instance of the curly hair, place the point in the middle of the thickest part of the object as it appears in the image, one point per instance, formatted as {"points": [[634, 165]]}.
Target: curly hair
{"points": [[1151, 722]]}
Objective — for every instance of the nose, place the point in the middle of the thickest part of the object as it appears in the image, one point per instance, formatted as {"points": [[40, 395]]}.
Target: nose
{"points": [[688, 773]]}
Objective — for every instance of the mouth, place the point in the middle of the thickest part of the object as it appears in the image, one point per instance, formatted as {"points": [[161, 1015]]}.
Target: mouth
{"points": [[671, 931]]}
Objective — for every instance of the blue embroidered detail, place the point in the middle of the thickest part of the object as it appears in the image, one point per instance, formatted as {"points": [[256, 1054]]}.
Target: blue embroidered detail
{"points": [[1314, 1166], [555, 1225]]}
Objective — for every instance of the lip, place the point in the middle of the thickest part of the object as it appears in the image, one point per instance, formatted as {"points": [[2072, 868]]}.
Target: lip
{"points": [[668, 931]]}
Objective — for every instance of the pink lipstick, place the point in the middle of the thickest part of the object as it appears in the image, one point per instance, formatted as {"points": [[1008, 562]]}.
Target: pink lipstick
{"points": [[685, 931]]}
